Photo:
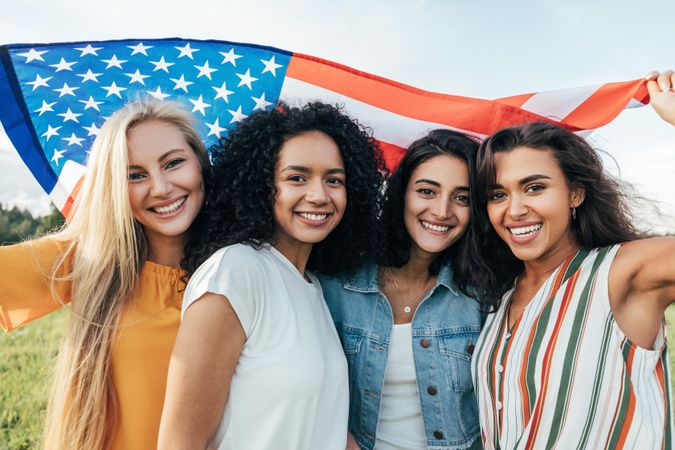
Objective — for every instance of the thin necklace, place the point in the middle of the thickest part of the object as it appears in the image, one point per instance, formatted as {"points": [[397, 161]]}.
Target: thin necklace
{"points": [[407, 308]]}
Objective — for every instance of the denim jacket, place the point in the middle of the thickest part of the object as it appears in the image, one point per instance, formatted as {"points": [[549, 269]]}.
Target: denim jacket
{"points": [[445, 328]]}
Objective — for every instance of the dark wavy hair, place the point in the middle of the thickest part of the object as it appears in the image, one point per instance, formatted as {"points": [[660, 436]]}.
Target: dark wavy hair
{"points": [[604, 218], [395, 247], [241, 194]]}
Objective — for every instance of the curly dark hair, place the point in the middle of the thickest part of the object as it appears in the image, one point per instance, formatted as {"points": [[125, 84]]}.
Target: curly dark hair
{"points": [[241, 193], [604, 218], [395, 247]]}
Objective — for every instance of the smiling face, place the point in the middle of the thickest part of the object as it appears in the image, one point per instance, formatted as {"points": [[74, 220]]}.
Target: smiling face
{"points": [[529, 206], [166, 188], [311, 195], [436, 212]]}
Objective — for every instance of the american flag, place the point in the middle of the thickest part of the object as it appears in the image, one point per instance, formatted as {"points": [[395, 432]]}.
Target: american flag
{"points": [[55, 97]]}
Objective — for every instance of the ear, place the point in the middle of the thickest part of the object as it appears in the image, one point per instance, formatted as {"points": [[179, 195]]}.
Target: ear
{"points": [[578, 195]]}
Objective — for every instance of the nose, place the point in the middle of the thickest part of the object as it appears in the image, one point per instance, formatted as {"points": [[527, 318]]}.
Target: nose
{"points": [[316, 192], [441, 208], [161, 186], [517, 207]]}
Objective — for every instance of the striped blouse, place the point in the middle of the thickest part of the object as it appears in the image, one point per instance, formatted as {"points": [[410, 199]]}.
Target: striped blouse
{"points": [[565, 376]]}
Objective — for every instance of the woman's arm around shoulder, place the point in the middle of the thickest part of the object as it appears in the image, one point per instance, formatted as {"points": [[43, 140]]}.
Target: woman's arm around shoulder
{"points": [[642, 285], [25, 281], [209, 342]]}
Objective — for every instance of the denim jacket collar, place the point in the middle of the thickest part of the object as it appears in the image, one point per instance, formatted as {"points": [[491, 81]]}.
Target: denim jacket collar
{"points": [[366, 280]]}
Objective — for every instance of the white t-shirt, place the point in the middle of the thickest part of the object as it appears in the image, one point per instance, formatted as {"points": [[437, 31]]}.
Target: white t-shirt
{"points": [[400, 425], [289, 390]]}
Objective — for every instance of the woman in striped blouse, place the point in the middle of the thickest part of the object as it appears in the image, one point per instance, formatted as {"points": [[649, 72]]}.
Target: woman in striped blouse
{"points": [[574, 355]]}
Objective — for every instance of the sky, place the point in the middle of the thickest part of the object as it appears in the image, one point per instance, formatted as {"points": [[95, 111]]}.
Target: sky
{"points": [[485, 49]]}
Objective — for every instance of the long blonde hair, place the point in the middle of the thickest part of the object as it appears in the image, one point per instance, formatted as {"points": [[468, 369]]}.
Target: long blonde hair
{"points": [[106, 248]]}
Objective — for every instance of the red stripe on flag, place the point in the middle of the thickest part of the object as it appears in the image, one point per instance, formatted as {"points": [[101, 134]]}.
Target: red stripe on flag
{"points": [[392, 154], [516, 100], [605, 104]]}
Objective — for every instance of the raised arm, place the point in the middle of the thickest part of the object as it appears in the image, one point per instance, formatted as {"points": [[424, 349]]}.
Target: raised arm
{"points": [[642, 285], [209, 342], [25, 281], [661, 87]]}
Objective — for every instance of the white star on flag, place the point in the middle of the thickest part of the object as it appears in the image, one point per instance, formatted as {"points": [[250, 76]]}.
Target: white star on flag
{"points": [[63, 65], [73, 140], [45, 107], [158, 94], [39, 81], [260, 103], [69, 115], [88, 50], [114, 62], [161, 65], [139, 48], [89, 76], [270, 66], [51, 132], [32, 55], [222, 92], [181, 83], [199, 105], [215, 129], [230, 57], [113, 89], [237, 116], [186, 51], [137, 77], [93, 130], [58, 154], [246, 79], [91, 103], [66, 90], [205, 70]]}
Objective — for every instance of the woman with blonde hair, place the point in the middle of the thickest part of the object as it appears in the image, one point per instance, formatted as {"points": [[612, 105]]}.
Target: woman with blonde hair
{"points": [[118, 262]]}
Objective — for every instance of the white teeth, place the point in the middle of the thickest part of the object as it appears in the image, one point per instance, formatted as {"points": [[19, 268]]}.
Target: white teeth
{"points": [[434, 227], [313, 216], [525, 231], [169, 208]]}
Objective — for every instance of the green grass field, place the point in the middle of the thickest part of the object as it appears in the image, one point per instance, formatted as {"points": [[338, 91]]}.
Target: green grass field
{"points": [[27, 358]]}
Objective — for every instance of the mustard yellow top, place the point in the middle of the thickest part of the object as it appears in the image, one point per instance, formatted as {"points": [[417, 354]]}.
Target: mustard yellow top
{"points": [[140, 357]]}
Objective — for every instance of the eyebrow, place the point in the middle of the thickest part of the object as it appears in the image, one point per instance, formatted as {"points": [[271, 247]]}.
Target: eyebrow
{"points": [[162, 157], [523, 181], [304, 169], [436, 183]]}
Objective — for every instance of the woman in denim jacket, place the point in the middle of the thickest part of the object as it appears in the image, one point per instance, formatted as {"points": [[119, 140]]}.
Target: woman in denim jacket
{"points": [[407, 324]]}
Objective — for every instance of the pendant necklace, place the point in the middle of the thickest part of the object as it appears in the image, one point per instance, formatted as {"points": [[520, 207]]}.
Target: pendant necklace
{"points": [[409, 307]]}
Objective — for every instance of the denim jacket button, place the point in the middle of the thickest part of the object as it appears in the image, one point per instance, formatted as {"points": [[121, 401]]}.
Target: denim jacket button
{"points": [[432, 391], [438, 435], [425, 343], [470, 348]]}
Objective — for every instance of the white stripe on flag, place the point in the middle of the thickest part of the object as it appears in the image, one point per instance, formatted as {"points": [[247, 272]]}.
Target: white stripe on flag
{"points": [[70, 176], [556, 105]]}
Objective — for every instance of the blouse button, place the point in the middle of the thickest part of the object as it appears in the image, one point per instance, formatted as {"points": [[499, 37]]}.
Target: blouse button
{"points": [[432, 390], [500, 368], [499, 404], [470, 348], [507, 335], [438, 435], [425, 343]]}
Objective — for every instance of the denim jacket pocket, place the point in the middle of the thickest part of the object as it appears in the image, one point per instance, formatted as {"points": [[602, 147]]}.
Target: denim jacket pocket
{"points": [[458, 349]]}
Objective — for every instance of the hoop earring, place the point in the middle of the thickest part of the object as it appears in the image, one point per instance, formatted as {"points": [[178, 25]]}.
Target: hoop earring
{"points": [[574, 213]]}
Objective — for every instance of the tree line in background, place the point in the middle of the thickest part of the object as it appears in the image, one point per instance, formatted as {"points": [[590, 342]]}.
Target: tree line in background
{"points": [[17, 224]]}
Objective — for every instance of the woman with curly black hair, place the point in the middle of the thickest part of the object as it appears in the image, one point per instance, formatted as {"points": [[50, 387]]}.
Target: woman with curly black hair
{"points": [[407, 323], [257, 362]]}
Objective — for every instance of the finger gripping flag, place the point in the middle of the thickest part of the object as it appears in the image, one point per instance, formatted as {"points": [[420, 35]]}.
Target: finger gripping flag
{"points": [[54, 98]]}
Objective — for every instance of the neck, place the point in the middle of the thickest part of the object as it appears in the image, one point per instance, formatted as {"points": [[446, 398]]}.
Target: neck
{"points": [[297, 254], [165, 250], [539, 270], [417, 267]]}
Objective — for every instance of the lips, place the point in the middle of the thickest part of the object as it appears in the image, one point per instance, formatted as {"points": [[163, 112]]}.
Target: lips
{"points": [[434, 227], [315, 218], [169, 208], [524, 233]]}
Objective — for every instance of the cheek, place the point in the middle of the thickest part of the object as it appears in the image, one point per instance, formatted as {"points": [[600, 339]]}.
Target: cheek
{"points": [[494, 215], [135, 199], [463, 216]]}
